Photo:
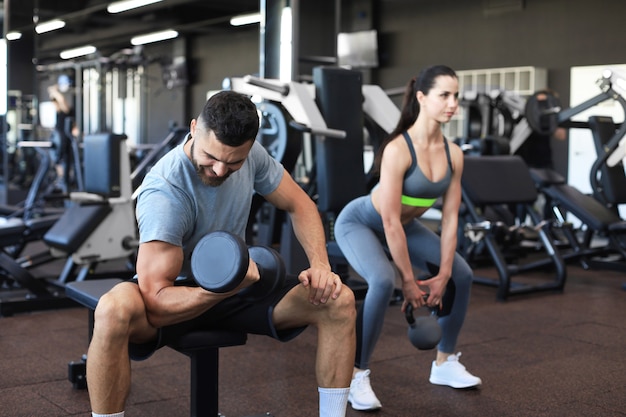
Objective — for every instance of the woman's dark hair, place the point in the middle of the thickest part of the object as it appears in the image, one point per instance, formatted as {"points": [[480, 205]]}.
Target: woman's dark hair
{"points": [[232, 117], [424, 82]]}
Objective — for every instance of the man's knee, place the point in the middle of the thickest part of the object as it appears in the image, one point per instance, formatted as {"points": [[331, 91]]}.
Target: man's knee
{"points": [[117, 308], [343, 308]]}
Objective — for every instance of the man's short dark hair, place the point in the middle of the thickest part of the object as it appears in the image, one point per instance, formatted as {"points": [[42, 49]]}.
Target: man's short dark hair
{"points": [[232, 117]]}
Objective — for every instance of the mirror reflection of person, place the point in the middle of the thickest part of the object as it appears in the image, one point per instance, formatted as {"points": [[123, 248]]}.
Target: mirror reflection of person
{"points": [[61, 139]]}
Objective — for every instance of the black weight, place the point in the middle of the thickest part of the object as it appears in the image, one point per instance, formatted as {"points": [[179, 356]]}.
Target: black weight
{"points": [[219, 262], [542, 112], [474, 122], [424, 332], [282, 142], [272, 270]]}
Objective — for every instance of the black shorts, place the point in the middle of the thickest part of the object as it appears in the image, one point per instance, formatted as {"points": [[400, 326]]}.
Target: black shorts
{"points": [[233, 313]]}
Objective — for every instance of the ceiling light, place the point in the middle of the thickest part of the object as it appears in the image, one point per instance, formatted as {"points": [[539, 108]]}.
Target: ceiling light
{"points": [[13, 36], [76, 52], [246, 19], [49, 26], [154, 37], [122, 6]]}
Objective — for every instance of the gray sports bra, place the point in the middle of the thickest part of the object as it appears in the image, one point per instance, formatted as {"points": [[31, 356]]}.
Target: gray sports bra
{"points": [[419, 191]]}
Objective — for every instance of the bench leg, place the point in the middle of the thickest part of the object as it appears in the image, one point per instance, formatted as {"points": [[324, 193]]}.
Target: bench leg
{"points": [[204, 382]]}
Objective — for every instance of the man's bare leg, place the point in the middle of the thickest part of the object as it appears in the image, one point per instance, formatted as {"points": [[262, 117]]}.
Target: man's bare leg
{"points": [[335, 322], [119, 318]]}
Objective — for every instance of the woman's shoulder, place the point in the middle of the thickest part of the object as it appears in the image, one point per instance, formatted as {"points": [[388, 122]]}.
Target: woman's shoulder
{"points": [[398, 148]]}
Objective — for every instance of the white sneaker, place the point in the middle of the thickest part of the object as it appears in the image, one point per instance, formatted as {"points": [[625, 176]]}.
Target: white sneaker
{"points": [[361, 395], [453, 374]]}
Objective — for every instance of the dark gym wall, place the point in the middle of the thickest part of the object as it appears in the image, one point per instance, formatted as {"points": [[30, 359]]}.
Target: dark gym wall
{"points": [[215, 57]]}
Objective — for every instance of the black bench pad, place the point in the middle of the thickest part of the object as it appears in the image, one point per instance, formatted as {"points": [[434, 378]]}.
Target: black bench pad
{"points": [[88, 292]]}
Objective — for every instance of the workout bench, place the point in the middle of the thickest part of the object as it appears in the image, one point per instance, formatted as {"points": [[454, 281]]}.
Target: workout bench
{"points": [[202, 347], [506, 180], [599, 220]]}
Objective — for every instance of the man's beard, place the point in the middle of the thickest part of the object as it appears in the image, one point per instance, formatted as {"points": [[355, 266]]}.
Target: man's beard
{"points": [[200, 170]]}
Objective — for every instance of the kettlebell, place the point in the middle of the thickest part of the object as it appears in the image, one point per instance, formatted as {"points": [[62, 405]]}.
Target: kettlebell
{"points": [[424, 331]]}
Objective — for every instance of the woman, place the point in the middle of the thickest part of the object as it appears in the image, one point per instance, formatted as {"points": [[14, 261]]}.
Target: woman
{"points": [[416, 166]]}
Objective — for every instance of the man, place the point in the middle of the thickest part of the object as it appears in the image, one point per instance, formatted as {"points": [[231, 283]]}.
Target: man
{"points": [[203, 185]]}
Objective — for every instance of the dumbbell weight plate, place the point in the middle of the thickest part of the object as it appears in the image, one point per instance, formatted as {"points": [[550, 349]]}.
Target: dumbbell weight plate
{"points": [[272, 270], [219, 262]]}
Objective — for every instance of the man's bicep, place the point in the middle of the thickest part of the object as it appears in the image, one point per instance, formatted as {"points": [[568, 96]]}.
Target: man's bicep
{"points": [[158, 265]]}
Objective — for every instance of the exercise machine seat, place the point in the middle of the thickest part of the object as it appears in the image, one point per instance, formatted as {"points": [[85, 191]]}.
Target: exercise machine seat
{"points": [[545, 177], [589, 210], [77, 223]]}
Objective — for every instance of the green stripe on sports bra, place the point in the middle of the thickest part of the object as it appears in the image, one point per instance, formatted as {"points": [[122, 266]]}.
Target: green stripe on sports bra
{"points": [[418, 202]]}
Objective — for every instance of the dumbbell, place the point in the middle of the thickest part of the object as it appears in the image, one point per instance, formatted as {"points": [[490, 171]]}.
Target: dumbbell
{"points": [[424, 331], [220, 260]]}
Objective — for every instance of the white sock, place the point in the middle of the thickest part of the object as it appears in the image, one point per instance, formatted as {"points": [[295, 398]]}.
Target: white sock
{"points": [[333, 401], [120, 414]]}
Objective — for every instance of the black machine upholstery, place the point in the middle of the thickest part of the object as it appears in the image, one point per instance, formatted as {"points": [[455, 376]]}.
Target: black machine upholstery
{"points": [[103, 157], [498, 180], [76, 224], [202, 347]]}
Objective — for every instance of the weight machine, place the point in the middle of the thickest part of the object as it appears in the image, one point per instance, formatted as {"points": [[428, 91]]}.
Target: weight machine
{"points": [[98, 226], [608, 181]]}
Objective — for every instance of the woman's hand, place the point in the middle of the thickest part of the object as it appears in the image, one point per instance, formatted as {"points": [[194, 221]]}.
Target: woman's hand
{"points": [[437, 287], [412, 295]]}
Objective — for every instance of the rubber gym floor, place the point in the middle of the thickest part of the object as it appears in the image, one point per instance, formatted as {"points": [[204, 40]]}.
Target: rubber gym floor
{"points": [[541, 354]]}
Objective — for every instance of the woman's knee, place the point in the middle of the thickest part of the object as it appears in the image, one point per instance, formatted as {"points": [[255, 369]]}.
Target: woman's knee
{"points": [[462, 273], [385, 282]]}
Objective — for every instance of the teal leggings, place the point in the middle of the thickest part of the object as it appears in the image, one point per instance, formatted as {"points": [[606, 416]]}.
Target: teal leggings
{"points": [[360, 236]]}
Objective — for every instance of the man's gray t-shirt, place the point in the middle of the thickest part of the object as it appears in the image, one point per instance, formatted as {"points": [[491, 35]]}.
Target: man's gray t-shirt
{"points": [[174, 206]]}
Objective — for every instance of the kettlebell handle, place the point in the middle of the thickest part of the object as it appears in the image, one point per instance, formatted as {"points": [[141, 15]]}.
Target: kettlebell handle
{"points": [[424, 333], [408, 312]]}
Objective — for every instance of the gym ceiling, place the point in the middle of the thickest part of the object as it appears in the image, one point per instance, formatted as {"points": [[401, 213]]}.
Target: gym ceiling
{"points": [[89, 23]]}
